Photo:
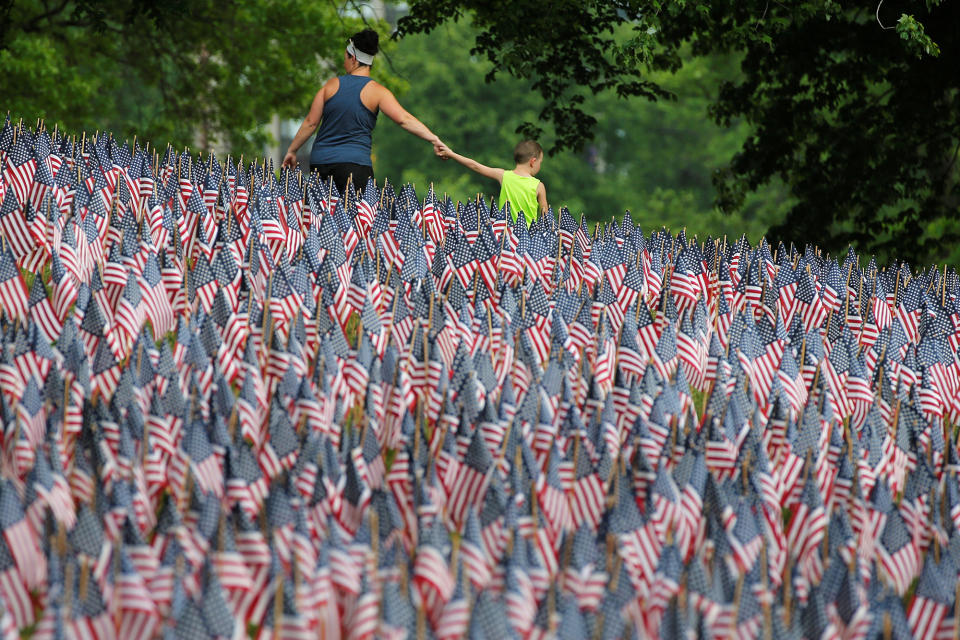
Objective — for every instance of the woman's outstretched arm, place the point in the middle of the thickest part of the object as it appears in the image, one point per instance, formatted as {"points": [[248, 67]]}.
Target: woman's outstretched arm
{"points": [[389, 105]]}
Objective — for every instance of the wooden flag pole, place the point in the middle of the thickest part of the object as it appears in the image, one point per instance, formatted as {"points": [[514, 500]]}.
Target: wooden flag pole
{"points": [[936, 271], [943, 287], [85, 578], [848, 432], [895, 421], [737, 597], [896, 289], [421, 623], [787, 591], [278, 607], [744, 469], [767, 613], [803, 354], [68, 578]]}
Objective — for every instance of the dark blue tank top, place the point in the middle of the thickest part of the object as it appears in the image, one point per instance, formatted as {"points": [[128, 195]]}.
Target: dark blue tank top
{"points": [[346, 126]]}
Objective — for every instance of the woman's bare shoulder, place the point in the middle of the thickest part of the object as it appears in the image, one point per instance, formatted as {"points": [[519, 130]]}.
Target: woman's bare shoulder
{"points": [[330, 86], [372, 94], [378, 89]]}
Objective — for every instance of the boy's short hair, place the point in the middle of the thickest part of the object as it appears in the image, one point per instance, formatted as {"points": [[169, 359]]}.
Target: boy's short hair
{"points": [[525, 150]]}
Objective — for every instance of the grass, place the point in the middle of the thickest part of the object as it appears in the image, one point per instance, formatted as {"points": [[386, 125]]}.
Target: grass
{"points": [[699, 398], [28, 278], [353, 337]]}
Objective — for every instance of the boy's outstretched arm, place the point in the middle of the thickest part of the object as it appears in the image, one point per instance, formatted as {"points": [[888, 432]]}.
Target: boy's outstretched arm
{"points": [[542, 198], [487, 172]]}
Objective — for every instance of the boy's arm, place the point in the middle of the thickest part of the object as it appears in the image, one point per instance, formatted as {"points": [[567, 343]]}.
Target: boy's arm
{"points": [[487, 172], [542, 197]]}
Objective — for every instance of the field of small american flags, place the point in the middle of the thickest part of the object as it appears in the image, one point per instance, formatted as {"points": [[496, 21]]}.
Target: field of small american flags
{"points": [[235, 402]]}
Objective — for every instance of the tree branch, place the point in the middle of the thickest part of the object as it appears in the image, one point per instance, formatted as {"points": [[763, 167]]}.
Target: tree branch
{"points": [[34, 23]]}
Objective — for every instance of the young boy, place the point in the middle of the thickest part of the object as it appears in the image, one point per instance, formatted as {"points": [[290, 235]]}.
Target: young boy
{"points": [[517, 186]]}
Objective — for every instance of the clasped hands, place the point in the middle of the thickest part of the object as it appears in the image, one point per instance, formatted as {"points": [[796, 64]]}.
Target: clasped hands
{"points": [[440, 149]]}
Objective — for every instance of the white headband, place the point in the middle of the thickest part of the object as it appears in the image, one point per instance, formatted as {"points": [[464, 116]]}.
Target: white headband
{"points": [[362, 58]]}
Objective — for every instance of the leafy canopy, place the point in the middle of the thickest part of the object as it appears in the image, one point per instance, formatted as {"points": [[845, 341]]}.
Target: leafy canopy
{"points": [[854, 107], [198, 72]]}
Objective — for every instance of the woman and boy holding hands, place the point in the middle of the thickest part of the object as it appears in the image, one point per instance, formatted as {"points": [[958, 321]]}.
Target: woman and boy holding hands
{"points": [[346, 108]]}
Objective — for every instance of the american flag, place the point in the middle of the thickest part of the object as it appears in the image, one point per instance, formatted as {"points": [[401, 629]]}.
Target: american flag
{"points": [[358, 407], [13, 290], [471, 481], [898, 554], [20, 168]]}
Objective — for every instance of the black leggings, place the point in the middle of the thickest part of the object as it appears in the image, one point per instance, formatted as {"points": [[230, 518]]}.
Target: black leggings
{"points": [[341, 171]]}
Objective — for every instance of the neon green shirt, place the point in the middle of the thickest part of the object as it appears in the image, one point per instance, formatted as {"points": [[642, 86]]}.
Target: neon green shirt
{"points": [[521, 191]]}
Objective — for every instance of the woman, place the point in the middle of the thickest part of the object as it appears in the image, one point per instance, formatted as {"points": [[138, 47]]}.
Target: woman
{"points": [[346, 109]]}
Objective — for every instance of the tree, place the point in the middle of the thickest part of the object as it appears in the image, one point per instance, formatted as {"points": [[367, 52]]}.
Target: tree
{"points": [[195, 72], [565, 49], [853, 108], [862, 125]]}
